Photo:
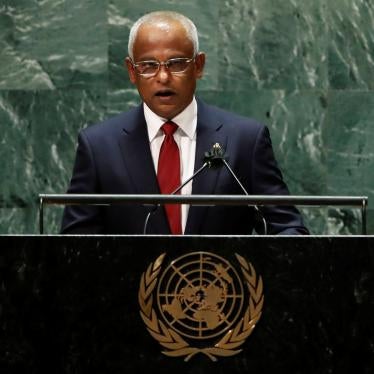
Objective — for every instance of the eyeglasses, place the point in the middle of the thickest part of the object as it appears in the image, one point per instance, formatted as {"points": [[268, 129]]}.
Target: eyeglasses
{"points": [[150, 68]]}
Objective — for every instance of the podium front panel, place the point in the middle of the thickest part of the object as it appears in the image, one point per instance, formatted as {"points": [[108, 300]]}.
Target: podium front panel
{"points": [[134, 304]]}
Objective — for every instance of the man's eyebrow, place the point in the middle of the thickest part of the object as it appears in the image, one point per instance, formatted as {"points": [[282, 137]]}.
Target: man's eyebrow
{"points": [[146, 59], [173, 56]]}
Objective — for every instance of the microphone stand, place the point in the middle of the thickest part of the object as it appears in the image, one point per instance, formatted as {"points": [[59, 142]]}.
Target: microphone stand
{"points": [[212, 159], [156, 206]]}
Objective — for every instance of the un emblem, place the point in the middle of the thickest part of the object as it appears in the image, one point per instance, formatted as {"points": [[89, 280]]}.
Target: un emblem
{"points": [[200, 304]]}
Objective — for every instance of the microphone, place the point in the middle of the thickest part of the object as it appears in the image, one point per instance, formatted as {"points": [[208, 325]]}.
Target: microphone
{"points": [[211, 160], [217, 157]]}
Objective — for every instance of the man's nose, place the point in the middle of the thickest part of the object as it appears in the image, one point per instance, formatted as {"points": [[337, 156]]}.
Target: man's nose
{"points": [[163, 73]]}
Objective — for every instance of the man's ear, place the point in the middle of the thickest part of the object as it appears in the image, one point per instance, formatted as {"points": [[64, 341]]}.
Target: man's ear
{"points": [[199, 64], [130, 70]]}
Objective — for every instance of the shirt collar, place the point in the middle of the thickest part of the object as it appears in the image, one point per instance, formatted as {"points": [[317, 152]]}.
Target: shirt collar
{"points": [[186, 120]]}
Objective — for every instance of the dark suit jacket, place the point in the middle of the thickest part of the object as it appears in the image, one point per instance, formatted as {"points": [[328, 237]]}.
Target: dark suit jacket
{"points": [[114, 158]]}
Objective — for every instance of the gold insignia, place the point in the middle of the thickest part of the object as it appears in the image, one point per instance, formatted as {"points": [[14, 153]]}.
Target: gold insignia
{"points": [[200, 298]]}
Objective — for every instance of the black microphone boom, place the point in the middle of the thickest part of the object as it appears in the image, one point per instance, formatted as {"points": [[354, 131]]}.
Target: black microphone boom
{"points": [[212, 159]]}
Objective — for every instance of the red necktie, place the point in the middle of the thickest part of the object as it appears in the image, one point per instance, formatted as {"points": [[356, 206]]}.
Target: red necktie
{"points": [[168, 175]]}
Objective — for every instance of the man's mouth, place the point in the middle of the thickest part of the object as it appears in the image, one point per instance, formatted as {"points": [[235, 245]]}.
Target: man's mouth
{"points": [[165, 93]]}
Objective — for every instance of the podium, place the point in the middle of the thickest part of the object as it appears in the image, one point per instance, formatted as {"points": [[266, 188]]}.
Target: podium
{"points": [[74, 304]]}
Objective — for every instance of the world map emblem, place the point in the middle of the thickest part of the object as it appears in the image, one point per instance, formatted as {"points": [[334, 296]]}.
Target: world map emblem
{"points": [[200, 303]]}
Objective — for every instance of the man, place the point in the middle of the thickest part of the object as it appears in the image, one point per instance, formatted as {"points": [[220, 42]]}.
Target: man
{"points": [[154, 147]]}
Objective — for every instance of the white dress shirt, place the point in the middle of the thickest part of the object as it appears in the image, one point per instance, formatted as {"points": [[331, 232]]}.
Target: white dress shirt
{"points": [[185, 137]]}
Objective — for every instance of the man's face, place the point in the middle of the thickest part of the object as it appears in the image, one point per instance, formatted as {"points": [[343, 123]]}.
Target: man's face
{"points": [[165, 94]]}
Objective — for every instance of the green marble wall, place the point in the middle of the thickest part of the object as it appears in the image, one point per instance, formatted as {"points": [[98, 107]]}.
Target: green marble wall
{"points": [[305, 68]]}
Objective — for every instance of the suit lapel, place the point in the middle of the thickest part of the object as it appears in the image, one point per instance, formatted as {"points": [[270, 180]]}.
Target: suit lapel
{"points": [[209, 132], [136, 154], [137, 157]]}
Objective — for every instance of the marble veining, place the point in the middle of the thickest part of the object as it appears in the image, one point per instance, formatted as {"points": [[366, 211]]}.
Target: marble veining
{"points": [[303, 68]]}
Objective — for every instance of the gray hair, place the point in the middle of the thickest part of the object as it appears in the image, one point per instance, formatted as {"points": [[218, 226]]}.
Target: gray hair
{"points": [[162, 18]]}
